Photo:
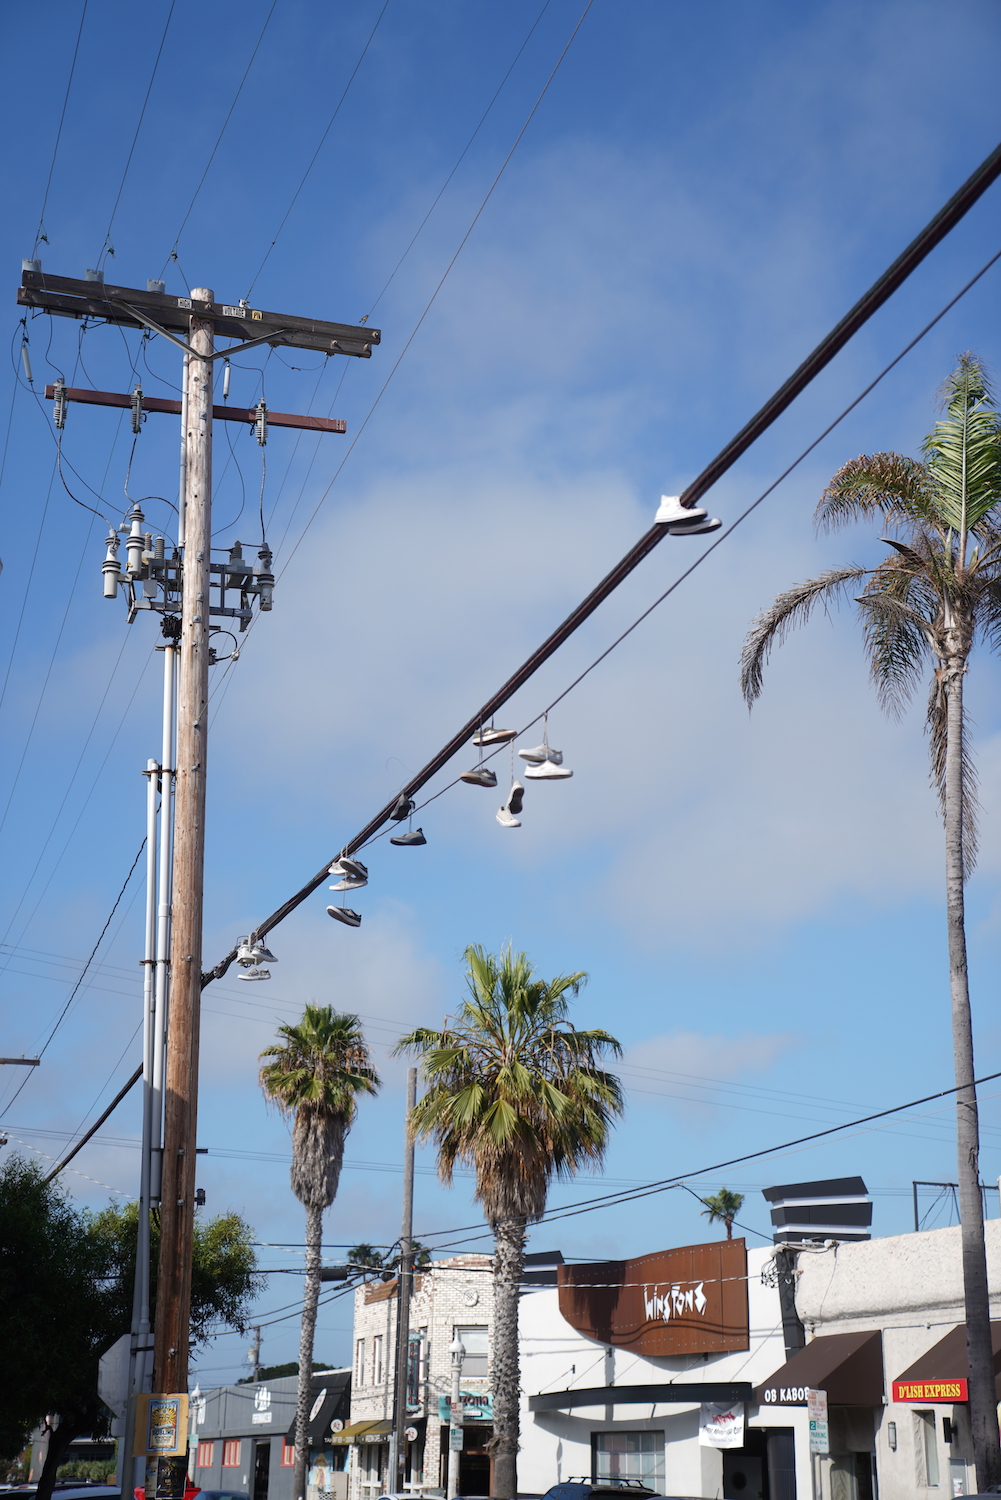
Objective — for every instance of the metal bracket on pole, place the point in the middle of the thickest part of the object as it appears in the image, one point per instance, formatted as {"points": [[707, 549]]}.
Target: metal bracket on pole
{"points": [[273, 337]]}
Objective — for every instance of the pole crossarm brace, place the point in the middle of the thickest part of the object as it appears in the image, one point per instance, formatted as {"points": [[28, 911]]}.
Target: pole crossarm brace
{"points": [[881, 290], [263, 338], [173, 408], [171, 316]]}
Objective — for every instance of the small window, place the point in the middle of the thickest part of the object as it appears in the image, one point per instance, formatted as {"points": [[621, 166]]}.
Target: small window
{"points": [[928, 1432], [231, 1453], [377, 1371], [476, 1364], [629, 1455], [288, 1454], [205, 1455], [360, 1361]]}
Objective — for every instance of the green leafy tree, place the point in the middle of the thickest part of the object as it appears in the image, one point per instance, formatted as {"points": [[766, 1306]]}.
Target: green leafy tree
{"points": [[722, 1208], [66, 1282], [315, 1074], [365, 1261], [935, 593], [515, 1092]]}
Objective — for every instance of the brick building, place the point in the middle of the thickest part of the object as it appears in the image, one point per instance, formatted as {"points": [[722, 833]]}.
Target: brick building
{"points": [[453, 1296]]}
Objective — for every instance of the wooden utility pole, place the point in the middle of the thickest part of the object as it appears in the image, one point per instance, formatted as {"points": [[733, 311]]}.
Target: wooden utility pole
{"points": [[170, 1349]]}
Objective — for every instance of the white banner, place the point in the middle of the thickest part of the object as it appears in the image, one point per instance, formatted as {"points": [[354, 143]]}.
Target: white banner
{"points": [[721, 1425]]}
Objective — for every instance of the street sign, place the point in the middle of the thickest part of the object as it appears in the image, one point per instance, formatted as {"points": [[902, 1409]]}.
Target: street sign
{"points": [[113, 1376], [816, 1405], [455, 1439]]}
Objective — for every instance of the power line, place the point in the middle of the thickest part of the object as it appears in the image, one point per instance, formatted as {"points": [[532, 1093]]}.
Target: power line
{"points": [[880, 291], [40, 235], [461, 157], [215, 148], [615, 1200], [312, 160], [107, 247], [73, 992]]}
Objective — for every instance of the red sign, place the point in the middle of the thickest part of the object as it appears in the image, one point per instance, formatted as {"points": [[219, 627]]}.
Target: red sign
{"points": [[930, 1390]]}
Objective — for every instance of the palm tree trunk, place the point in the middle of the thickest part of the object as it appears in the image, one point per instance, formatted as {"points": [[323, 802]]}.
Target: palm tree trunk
{"points": [[509, 1262], [311, 1292], [983, 1400]]}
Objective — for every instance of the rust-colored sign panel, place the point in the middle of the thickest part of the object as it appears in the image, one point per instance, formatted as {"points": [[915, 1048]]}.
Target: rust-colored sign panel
{"points": [[687, 1301]]}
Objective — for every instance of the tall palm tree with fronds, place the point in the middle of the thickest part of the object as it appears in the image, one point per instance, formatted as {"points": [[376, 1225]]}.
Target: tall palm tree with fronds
{"points": [[936, 592], [515, 1092], [315, 1074], [722, 1208]]}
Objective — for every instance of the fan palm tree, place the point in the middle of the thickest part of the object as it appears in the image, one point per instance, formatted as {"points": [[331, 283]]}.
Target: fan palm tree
{"points": [[520, 1096], [936, 592], [314, 1074], [722, 1208]]}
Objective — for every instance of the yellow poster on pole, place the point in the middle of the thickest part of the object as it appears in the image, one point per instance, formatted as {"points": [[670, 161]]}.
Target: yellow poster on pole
{"points": [[161, 1426]]}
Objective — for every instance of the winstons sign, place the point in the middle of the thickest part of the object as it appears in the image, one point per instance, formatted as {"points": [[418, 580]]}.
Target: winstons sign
{"points": [[692, 1300]]}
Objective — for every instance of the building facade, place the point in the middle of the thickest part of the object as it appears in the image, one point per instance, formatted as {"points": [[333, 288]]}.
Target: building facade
{"points": [[450, 1297], [242, 1437]]}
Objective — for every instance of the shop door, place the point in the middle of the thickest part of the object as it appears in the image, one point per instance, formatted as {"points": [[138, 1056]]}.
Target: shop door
{"points": [[781, 1464], [743, 1476], [262, 1469]]}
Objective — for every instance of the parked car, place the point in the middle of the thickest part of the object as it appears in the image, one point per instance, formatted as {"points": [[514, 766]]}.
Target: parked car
{"points": [[599, 1489]]}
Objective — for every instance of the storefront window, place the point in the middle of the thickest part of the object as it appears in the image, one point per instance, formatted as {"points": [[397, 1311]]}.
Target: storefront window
{"points": [[629, 1455], [928, 1434]]}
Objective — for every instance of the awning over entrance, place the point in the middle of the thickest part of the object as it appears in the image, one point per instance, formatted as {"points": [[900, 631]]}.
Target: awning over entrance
{"points": [[942, 1373], [848, 1366], [363, 1432], [643, 1395]]}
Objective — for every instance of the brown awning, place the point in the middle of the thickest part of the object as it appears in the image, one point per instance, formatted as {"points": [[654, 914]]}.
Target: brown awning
{"points": [[848, 1366], [942, 1373]]}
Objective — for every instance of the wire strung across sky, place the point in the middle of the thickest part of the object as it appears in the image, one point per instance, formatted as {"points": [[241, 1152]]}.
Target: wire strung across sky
{"points": [[83, 974], [881, 290]]}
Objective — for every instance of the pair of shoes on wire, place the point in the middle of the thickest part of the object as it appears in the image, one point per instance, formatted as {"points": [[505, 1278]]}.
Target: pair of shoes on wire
{"points": [[507, 816], [545, 763], [684, 520], [255, 973], [492, 736], [414, 836], [354, 875]]}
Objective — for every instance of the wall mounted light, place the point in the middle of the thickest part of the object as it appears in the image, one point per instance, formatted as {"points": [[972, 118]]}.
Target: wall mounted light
{"points": [[891, 1435]]}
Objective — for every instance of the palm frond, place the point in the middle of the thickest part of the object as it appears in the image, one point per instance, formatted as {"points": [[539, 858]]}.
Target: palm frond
{"points": [[894, 630], [963, 450], [937, 728], [887, 484], [790, 609]]}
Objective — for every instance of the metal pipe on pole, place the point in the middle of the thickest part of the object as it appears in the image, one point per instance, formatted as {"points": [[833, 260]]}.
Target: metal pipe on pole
{"points": [[166, 849], [170, 1357], [404, 1291]]}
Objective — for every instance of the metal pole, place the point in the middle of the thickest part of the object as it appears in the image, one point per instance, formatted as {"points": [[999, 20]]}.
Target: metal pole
{"points": [[140, 1285], [162, 971], [170, 1358], [454, 1454], [404, 1289]]}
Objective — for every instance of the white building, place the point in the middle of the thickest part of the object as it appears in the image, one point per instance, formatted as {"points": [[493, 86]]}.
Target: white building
{"points": [[450, 1297], [602, 1400]]}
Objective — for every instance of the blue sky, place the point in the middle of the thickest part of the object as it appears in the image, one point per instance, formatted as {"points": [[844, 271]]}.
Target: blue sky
{"points": [[699, 197]]}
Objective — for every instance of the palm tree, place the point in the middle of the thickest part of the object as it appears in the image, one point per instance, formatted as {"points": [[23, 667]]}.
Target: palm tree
{"points": [[315, 1074], [936, 591], [517, 1094], [723, 1207]]}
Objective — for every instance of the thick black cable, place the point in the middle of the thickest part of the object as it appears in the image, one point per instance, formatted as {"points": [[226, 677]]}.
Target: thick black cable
{"points": [[116, 1101], [107, 248], [312, 160], [40, 236], [83, 974], [215, 148], [880, 291]]}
